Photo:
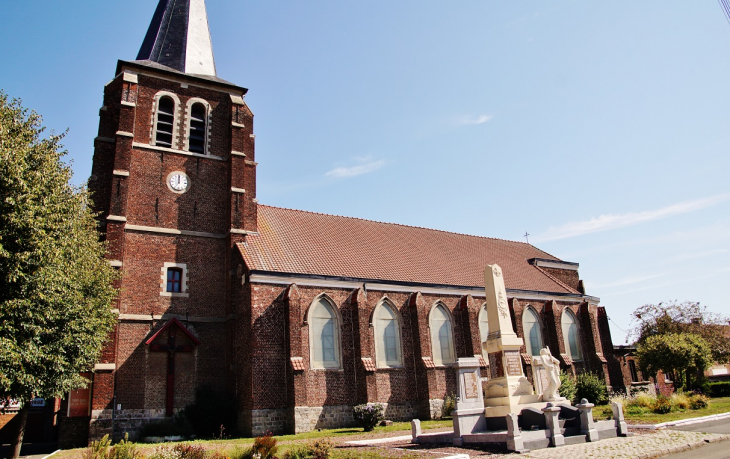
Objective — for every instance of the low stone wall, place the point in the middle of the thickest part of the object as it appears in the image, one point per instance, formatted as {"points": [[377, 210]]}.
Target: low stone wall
{"points": [[436, 408], [308, 418], [125, 421], [400, 412], [275, 421]]}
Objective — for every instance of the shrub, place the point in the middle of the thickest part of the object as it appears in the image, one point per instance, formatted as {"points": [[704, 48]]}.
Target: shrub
{"points": [[265, 447], [679, 401], [567, 387], [298, 452], [98, 449], [719, 389], [317, 449], [369, 415], [320, 449], [163, 427], [592, 388], [698, 401], [220, 455], [164, 452], [125, 449], [189, 451], [211, 413], [662, 405], [449, 405], [644, 400]]}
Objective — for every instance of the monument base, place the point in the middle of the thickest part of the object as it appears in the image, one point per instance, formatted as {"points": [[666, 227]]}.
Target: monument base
{"points": [[503, 406]]}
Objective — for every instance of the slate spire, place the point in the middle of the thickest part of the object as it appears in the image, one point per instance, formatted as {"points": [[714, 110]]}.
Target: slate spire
{"points": [[179, 37]]}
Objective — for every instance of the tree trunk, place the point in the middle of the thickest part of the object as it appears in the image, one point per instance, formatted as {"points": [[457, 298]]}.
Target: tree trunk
{"points": [[23, 417]]}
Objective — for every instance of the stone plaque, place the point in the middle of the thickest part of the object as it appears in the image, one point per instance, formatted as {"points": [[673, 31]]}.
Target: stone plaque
{"points": [[514, 366], [471, 385], [496, 370]]}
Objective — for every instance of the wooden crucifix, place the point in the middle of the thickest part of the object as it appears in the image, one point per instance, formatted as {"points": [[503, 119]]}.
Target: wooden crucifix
{"points": [[171, 346]]}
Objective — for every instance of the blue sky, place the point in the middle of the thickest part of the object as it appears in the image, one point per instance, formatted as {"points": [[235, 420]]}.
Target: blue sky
{"points": [[601, 128]]}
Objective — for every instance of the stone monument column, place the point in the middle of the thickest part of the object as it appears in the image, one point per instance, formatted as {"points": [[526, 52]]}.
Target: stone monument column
{"points": [[507, 387]]}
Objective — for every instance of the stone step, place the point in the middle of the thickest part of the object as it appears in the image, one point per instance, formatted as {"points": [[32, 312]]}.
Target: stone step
{"points": [[575, 440]]}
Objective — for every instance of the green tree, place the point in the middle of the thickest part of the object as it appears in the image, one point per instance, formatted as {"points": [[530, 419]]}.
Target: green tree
{"points": [[678, 354], [56, 294], [687, 317]]}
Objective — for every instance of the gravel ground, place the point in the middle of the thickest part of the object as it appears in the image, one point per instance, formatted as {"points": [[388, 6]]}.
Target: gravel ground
{"points": [[645, 445]]}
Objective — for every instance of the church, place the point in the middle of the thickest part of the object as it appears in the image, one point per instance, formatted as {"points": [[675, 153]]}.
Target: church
{"points": [[298, 315]]}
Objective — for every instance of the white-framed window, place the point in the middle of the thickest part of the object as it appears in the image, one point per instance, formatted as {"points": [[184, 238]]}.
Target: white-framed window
{"points": [[163, 132], [198, 120], [532, 331], [571, 335], [386, 324], [442, 335], [483, 329], [174, 280], [324, 334]]}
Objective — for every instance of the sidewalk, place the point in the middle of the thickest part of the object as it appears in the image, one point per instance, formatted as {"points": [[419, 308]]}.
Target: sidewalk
{"points": [[643, 446]]}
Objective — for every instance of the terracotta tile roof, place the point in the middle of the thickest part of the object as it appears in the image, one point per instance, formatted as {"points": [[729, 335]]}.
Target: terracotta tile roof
{"points": [[368, 363], [297, 363], [482, 362], [299, 242]]}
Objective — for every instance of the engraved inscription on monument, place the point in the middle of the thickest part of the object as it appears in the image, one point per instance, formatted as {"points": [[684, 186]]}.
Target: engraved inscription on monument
{"points": [[512, 359], [496, 369], [471, 385]]}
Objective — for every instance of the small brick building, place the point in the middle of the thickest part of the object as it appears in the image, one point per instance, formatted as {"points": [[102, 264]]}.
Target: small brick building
{"points": [[298, 315]]}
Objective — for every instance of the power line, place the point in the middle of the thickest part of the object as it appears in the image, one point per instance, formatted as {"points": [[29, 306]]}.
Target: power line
{"points": [[725, 5]]}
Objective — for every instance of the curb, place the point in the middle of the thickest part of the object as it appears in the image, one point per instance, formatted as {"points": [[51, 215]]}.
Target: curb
{"points": [[682, 422]]}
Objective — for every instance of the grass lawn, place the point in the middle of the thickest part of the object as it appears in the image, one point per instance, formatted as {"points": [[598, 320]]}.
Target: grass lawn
{"points": [[287, 441], [639, 415]]}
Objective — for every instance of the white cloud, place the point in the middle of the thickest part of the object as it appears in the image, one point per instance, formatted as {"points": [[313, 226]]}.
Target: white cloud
{"points": [[367, 165], [613, 221], [625, 281], [468, 120]]}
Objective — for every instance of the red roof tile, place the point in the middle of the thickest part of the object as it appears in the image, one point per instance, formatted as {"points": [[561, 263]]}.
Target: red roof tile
{"points": [[297, 363], [368, 363], [295, 241]]}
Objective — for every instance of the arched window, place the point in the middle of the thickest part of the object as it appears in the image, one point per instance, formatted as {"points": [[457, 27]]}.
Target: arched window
{"points": [[483, 328], [531, 331], [324, 335], [197, 133], [442, 339], [571, 337], [165, 121], [387, 336]]}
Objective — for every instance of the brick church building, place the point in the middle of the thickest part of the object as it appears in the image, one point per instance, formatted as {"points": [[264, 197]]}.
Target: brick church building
{"points": [[298, 315]]}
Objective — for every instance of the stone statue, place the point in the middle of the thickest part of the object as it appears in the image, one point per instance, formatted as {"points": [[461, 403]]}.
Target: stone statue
{"points": [[552, 370]]}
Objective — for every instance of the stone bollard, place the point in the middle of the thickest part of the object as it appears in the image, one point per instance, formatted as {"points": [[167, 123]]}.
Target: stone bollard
{"points": [[622, 429], [551, 419], [586, 420], [415, 430], [514, 439]]}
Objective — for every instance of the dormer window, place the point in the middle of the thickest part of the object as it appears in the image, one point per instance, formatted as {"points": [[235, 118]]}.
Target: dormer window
{"points": [[165, 122], [197, 132]]}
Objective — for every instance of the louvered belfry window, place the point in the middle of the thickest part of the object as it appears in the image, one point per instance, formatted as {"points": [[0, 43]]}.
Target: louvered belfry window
{"points": [[196, 138], [165, 122]]}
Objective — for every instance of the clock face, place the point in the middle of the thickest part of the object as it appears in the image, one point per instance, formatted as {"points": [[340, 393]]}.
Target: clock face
{"points": [[178, 181]]}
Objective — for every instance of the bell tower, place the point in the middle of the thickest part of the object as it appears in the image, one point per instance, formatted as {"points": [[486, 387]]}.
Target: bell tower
{"points": [[174, 182]]}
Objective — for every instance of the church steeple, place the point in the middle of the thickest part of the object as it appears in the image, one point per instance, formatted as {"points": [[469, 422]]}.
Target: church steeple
{"points": [[179, 37]]}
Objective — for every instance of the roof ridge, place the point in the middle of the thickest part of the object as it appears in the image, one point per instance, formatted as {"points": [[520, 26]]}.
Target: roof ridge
{"points": [[410, 226]]}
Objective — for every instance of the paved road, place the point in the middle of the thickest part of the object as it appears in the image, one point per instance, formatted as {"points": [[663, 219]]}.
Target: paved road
{"points": [[720, 450]]}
